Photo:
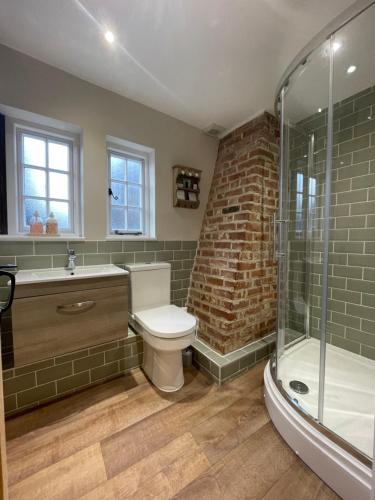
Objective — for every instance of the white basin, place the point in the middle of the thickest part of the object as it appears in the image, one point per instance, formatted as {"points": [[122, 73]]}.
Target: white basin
{"points": [[60, 274]]}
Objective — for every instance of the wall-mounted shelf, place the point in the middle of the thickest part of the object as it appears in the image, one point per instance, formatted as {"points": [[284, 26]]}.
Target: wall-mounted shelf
{"points": [[186, 186]]}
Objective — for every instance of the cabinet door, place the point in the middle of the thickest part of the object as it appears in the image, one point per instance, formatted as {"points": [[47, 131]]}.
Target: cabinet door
{"points": [[51, 325]]}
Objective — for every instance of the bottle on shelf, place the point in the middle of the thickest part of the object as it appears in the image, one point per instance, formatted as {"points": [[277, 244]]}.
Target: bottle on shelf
{"points": [[52, 227], [36, 224]]}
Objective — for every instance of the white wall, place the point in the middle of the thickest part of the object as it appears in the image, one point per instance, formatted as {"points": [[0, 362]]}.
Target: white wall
{"points": [[31, 85]]}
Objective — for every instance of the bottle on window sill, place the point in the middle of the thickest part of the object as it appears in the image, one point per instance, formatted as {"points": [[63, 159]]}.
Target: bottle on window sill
{"points": [[52, 227], [36, 224]]}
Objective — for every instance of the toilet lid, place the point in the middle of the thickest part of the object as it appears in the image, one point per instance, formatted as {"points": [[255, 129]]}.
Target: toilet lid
{"points": [[166, 321]]}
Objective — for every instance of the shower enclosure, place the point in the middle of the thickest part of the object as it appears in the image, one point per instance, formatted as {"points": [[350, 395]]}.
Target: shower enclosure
{"points": [[324, 367]]}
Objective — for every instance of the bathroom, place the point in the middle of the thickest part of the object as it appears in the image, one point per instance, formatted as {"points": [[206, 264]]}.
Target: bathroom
{"points": [[187, 249]]}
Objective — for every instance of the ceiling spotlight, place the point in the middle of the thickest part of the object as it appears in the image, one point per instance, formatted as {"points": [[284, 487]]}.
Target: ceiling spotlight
{"points": [[319, 110], [109, 36], [336, 46], [351, 69]]}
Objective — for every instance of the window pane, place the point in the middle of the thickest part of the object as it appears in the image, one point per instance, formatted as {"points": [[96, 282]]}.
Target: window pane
{"points": [[300, 183], [61, 212], [58, 186], [30, 206], [118, 218], [34, 182], [58, 156], [135, 171], [34, 151], [134, 196], [134, 219], [118, 190], [118, 168]]}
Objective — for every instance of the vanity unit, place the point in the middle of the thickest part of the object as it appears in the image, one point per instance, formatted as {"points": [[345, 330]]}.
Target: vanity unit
{"points": [[57, 311]]}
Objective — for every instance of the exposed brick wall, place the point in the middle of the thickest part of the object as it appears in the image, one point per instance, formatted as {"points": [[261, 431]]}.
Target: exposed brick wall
{"points": [[233, 286]]}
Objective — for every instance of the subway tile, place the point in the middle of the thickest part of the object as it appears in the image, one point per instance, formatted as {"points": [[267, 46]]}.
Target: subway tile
{"points": [[366, 127], [103, 347], [96, 259], [189, 245], [346, 296], [364, 101], [54, 373], [116, 354], [83, 246], [346, 320], [123, 258], [104, 371], [370, 221], [368, 326], [33, 367], [73, 382], [370, 247], [247, 360], [361, 260], [360, 311], [51, 247], [364, 181], [19, 383], [36, 394], [352, 196], [16, 248], [164, 255], [363, 208], [359, 285], [369, 301], [71, 356], [144, 257], [351, 222], [355, 118], [10, 403], [343, 135], [181, 254], [33, 262], [230, 369], [109, 246], [360, 337], [131, 362], [368, 352], [7, 260], [354, 145], [362, 234], [346, 344], [154, 245], [343, 109], [354, 170], [173, 245], [348, 247], [83, 364], [364, 155], [133, 246]]}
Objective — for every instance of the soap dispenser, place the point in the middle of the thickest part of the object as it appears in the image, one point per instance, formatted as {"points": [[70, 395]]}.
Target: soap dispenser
{"points": [[52, 227], [36, 224]]}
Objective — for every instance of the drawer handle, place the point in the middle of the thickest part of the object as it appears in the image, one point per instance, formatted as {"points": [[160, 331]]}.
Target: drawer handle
{"points": [[77, 307]]}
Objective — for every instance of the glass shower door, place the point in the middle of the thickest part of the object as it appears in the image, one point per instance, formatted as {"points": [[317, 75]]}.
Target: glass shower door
{"points": [[304, 103]]}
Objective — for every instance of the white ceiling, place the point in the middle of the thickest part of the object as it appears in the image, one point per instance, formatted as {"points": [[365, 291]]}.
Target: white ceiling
{"points": [[202, 61]]}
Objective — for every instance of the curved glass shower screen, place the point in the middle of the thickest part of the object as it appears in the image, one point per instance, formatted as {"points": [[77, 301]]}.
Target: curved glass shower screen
{"points": [[326, 227]]}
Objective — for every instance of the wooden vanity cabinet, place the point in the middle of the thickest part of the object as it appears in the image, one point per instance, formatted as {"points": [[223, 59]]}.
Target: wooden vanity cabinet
{"points": [[54, 318]]}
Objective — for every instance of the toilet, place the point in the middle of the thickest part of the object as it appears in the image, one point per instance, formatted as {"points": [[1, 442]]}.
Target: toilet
{"points": [[166, 329]]}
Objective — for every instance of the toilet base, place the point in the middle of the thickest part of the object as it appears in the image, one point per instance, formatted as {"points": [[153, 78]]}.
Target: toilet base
{"points": [[163, 368]]}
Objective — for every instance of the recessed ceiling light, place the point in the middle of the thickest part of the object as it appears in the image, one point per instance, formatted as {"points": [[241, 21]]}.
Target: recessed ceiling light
{"points": [[336, 46], [351, 69], [109, 36], [319, 110]]}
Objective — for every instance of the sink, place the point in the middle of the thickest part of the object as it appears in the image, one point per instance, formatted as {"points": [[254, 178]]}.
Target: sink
{"points": [[59, 274]]}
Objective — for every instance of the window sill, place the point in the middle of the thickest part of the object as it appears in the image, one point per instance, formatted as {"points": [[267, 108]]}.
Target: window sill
{"points": [[131, 237], [24, 237]]}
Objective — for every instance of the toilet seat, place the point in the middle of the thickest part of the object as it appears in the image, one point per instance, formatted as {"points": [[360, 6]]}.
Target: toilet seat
{"points": [[166, 322]]}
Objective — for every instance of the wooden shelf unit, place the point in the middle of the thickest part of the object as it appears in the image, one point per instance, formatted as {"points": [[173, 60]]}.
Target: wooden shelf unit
{"points": [[186, 186]]}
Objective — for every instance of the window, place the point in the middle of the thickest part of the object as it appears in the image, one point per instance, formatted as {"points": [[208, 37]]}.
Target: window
{"points": [[130, 190], [42, 172], [45, 178], [299, 204]]}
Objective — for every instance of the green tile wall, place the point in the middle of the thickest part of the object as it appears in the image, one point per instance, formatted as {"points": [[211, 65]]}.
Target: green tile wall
{"points": [[351, 306], [44, 254], [38, 383]]}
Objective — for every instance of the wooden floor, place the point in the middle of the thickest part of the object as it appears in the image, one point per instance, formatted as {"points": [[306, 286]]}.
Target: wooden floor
{"points": [[124, 439]]}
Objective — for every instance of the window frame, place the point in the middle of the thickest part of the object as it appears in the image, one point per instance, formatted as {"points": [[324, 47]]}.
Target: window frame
{"points": [[16, 129], [146, 155]]}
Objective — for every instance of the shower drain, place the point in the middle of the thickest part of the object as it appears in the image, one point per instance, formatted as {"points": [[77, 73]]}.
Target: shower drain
{"points": [[298, 386]]}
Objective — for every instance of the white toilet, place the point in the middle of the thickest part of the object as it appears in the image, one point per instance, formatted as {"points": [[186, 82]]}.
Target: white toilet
{"points": [[166, 329]]}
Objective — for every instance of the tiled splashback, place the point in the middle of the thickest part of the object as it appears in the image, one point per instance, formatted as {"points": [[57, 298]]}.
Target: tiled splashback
{"points": [[46, 254]]}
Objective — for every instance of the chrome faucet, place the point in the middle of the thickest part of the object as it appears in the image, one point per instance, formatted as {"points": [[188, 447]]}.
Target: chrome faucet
{"points": [[71, 260]]}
